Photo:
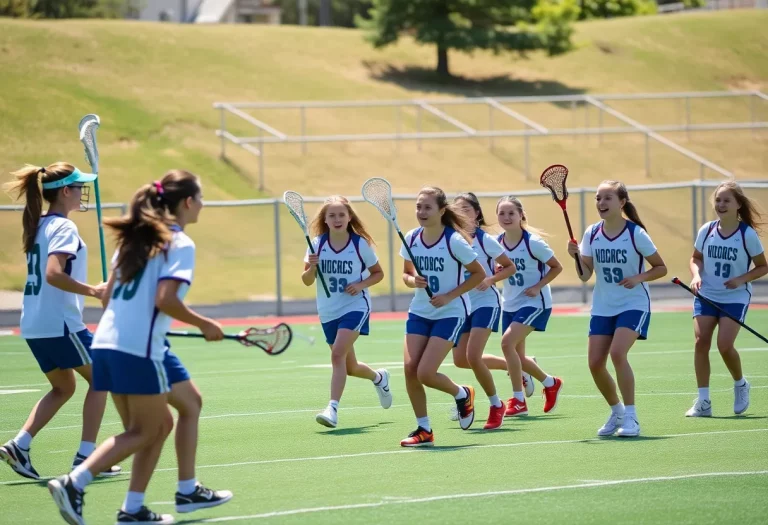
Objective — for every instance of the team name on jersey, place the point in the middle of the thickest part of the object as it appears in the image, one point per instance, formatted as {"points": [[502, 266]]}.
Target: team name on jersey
{"points": [[610, 255], [336, 267], [725, 253], [519, 264], [427, 263]]}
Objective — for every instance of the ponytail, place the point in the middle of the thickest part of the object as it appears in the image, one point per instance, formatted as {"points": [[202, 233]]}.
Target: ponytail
{"points": [[629, 208], [452, 217], [27, 186], [145, 231]]}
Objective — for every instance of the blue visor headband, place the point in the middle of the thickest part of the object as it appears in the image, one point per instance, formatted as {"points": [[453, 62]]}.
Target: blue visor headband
{"points": [[75, 176]]}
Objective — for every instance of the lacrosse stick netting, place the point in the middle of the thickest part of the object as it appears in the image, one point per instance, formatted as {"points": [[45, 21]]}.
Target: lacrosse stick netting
{"points": [[87, 128], [553, 178], [295, 204]]}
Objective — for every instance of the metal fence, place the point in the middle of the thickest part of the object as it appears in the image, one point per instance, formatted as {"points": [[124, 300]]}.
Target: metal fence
{"points": [[254, 135], [265, 249]]}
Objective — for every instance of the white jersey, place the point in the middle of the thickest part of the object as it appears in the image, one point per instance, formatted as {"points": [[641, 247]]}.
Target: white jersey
{"points": [[46, 310], [131, 323], [487, 250], [726, 258], [614, 259], [442, 263], [340, 269], [530, 256]]}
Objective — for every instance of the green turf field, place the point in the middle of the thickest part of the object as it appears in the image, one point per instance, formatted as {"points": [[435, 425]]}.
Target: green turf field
{"points": [[259, 439]]}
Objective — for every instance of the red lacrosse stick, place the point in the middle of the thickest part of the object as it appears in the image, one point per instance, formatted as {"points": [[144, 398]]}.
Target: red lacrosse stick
{"points": [[553, 178]]}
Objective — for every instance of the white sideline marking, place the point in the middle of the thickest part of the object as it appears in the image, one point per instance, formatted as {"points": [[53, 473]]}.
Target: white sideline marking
{"points": [[25, 391], [383, 502], [416, 451]]}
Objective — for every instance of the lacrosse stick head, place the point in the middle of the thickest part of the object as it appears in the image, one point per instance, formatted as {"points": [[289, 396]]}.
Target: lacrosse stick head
{"points": [[553, 178], [295, 204], [274, 340], [88, 126], [378, 192]]}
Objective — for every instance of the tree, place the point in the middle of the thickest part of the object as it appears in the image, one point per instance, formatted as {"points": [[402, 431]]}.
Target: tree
{"points": [[467, 25]]}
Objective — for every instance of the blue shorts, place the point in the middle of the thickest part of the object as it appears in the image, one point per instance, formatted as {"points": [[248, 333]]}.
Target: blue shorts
{"points": [[355, 321], [737, 310], [486, 317], [174, 369], [68, 351], [528, 315], [448, 328], [633, 319], [122, 373]]}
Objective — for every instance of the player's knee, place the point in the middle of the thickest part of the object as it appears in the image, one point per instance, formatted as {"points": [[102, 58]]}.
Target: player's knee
{"points": [[475, 360], [596, 364], [460, 361], [65, 389], [338, 354], [411, 370], [425, 377], [166, 424], [703, 343], [618, 356], [725, 347]]}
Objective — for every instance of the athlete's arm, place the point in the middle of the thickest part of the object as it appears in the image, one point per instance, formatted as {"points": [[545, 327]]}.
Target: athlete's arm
{"points": [[657, 271], [377, 274], [108, 291], [310, 270], [760, 269], [57, 277], [587, 264], [696, 266], [411, 278], [507, 270], [555, 269], [477, 274], [168, 302]]}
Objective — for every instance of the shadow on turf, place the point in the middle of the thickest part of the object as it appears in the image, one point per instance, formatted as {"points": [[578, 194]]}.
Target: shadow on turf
{"points": [[352, 430], [747, 417]]}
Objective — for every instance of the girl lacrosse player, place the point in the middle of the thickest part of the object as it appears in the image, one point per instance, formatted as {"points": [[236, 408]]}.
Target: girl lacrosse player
{"points": [[615, 250], [486, 310], [153, 269], [441, 249], [344, 255], [720, 266], [527, 302], [52, 310]]}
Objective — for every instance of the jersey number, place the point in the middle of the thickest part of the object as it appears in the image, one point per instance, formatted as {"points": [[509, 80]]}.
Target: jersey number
{"points": [[33, 268], [434, 283], [337, 285], [615, 275], [722, 270], [516, 280], [128, 290]]}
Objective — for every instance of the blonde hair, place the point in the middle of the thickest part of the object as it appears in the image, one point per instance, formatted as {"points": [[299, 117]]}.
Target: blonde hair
{"points": [[27, 185], [749, 212], [629, 208], [523, 217], [452, 217], [319, 227]]}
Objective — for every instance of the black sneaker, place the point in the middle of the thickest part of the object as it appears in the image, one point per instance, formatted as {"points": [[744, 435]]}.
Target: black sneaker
{"points": [[144, 515], [114, 470], [18, 459], [68, 499], [201, 498]]}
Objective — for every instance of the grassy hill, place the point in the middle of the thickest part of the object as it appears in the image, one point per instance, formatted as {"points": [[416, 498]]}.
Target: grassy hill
{"points": [[153, 86]]}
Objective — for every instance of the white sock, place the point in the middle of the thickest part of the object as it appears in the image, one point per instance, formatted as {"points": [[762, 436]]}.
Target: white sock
{"points": [[495, 401], [23, 440], [740, 382], [618, 408], [548, 382], [519, 396], [187, 486], [704, 394], [423, 422], [461, 395], [133, 502], [81, 477], [334, 404], [377, 379], [86, 448], [630, 411]]}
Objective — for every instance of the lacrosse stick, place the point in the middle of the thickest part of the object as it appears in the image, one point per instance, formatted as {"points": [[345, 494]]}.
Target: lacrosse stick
{"points": [[295, 204], [378, 192], [713, 305], [274, 340], [553, 179], [88, 126]]}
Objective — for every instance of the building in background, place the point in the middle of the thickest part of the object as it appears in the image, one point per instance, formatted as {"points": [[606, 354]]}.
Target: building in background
{"points": [[210, 11]]}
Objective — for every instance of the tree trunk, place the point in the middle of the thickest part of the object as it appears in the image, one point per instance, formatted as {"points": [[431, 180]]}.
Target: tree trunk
{"points": [[325, 13], [442, 61]]}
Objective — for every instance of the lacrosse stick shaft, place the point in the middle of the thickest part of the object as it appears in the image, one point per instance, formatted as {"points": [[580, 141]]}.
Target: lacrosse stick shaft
{"points": [[319, 273], [196, 334], [713, 305], [570, 234], [415, 265], [102, 247]]}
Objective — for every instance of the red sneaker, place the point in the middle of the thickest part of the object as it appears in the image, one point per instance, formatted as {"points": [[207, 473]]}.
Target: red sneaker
{"points": [[551, 394], [419, 438], [516, 408], [495, 418]]}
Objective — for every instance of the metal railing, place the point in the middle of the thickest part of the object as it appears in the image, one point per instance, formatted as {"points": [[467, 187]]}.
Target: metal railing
{"points": [[269, 135]]}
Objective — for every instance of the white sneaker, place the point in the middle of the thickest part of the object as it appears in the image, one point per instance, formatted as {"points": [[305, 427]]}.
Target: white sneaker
{"points": [[453, 413], [630, 427], [528, 383], [611, 426], [700, 408], [328, 417], [382, 389], [741, 398]]}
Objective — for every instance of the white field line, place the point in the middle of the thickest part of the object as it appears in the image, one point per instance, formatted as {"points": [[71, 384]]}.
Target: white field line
{"points": [[417, 451], [469, 495]]}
